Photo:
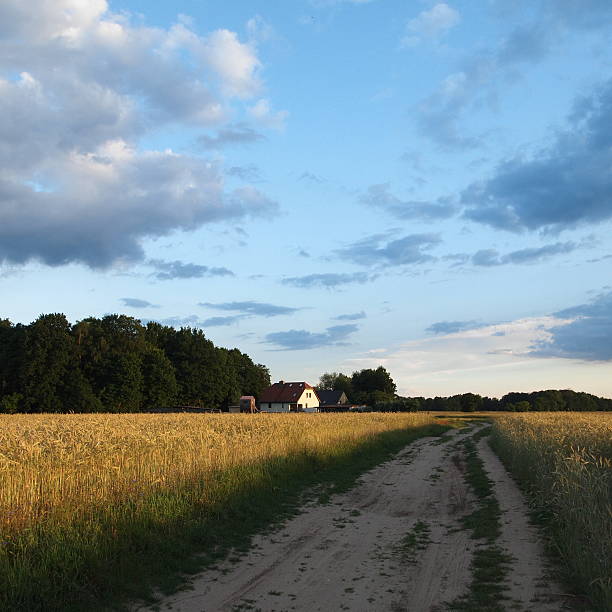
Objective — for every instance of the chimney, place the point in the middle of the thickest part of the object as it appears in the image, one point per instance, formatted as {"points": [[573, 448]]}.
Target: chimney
{"points": [[281, 382]]}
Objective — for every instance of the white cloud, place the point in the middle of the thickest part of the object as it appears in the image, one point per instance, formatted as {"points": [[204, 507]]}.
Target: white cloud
{"points": [[432, 24], [74, 183], [263, 114], [235, 62]]}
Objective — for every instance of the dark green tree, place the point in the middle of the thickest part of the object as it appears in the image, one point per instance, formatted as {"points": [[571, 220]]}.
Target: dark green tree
{"points": [[159, 382], [368, 381], [48, 356], [336, 381]]}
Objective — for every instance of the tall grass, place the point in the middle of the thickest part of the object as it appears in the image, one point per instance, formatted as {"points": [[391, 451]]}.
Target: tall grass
{"points": [[91, 504], [565, 460]]}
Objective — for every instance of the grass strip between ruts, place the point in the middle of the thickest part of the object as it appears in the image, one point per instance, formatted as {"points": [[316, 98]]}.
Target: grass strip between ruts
{"points": [[490, 562]]}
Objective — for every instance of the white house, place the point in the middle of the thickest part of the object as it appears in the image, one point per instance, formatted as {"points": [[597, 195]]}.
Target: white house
{"points": [[289, 397]]}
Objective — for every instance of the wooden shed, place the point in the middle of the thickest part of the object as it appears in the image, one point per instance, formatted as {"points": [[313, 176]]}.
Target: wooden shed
{"points": [[247, 404]]}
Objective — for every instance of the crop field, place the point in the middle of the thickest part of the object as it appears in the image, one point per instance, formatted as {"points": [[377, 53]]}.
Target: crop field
{"points": [[89, 501], [565, 462], [95, 509]]}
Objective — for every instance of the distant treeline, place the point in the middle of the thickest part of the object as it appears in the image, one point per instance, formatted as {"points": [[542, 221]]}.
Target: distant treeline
{"points": [[116, 364], [539, 401], [376, 389]]}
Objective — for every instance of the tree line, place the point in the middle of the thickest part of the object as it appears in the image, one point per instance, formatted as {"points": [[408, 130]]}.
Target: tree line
{"points": [[117, 364], [376, 389]]}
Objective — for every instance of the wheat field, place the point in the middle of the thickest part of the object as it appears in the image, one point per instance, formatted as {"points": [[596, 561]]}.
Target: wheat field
{"points": [[81, 495], [565, 460]]}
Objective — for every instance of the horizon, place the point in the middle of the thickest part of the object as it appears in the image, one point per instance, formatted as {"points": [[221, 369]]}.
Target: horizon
{"points": [[327, 185]]}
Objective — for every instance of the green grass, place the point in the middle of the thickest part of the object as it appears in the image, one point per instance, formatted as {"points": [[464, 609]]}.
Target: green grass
{"points": [[490, 564], [165, 536], [417, 539]]}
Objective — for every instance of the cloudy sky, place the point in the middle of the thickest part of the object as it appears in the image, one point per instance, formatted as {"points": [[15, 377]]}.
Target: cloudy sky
{"points": [[325, 184]]}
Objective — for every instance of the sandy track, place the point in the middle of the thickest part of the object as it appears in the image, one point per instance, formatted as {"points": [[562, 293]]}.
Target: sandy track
{"points": [[530, 586], [353, 553]]}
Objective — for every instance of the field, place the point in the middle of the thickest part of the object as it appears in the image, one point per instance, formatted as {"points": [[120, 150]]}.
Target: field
{"points": [[90, 504], [565, 463], [96, 509]]}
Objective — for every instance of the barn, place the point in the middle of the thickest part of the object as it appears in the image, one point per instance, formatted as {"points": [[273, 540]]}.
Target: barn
{"points": [[289, 397]]}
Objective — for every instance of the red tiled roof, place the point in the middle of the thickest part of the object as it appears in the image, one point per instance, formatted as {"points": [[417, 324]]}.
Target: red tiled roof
{"points": [[284, 392]]}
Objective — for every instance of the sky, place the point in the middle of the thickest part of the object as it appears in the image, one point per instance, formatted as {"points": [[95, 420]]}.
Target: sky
{"points": [[327, 185]]}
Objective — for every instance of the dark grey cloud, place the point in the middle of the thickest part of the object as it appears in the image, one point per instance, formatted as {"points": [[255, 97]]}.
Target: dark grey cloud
{"points": [[170, 270], [379, 196], [486, 257], [137, 303], [300, 339], [452, 327], [235, 134], [535, 255], [252, 308], [564, 186], [491, 257], [329, 280], [588, 337], [221, 321], [355, 316], [378, 250]]}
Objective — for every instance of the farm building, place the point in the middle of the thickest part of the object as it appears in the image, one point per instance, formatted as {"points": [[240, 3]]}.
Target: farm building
{"points": [[332, 398], [289, 397], [247, 403]]}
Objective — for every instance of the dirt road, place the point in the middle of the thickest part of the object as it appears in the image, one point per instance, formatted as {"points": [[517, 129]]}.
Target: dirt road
{"points": [[394, 542]]}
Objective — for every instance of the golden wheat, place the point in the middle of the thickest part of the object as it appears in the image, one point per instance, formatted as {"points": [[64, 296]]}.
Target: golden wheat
{"points": [[87, 499], [62, 465], [566, 461]]}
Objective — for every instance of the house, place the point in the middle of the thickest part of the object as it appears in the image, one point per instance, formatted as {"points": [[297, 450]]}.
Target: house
{"points": [[289, 397], [332, 398]]}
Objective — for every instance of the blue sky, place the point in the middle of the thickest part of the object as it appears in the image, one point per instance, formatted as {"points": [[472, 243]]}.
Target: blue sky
{"points": [[325, 184]]}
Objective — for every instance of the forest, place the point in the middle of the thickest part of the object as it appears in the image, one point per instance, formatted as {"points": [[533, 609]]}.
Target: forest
{"points": [[117, 364]]}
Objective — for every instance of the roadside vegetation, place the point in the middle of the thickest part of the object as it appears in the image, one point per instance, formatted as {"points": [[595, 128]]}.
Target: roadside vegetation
{"points": [[490, 563], [564, 464], [95, 507]]}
